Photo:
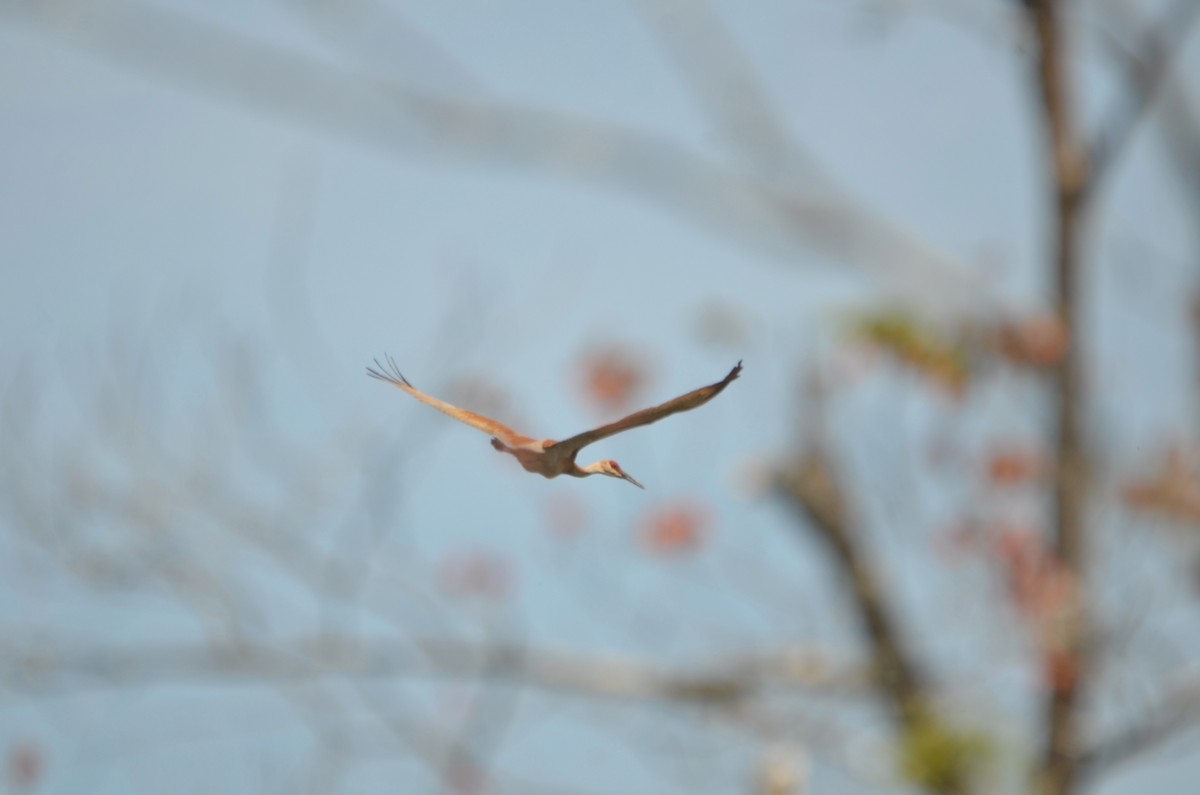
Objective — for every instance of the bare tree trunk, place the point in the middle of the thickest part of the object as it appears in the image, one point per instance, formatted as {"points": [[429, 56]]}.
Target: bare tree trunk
{"points": [[1070, 161]]}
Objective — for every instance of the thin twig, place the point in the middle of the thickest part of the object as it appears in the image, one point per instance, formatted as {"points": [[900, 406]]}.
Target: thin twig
{"points": [[1177, 709], [1146, 66]]}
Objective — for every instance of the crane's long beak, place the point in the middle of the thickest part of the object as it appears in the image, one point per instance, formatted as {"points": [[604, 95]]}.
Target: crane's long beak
{"points": [[627, 476]]}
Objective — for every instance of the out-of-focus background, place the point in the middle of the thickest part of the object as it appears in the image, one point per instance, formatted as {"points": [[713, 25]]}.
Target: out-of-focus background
{"points": [[941, 536]]}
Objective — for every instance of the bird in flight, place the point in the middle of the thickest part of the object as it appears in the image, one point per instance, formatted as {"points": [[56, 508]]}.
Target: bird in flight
{"points": [[547, 457]]}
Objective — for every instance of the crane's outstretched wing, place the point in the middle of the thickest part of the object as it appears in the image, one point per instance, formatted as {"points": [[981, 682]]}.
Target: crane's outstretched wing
{"points": [[391, 374], [686, 402]]}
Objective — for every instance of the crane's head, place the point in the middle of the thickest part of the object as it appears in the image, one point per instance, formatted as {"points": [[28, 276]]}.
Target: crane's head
{"points": [[613, 470]]}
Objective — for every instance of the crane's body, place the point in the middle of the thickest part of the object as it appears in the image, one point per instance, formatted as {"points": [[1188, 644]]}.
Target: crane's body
{"points": [[547, 457]]}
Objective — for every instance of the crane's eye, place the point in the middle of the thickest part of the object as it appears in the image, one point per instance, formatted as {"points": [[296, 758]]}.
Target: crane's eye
{"points": [[615, 465]]}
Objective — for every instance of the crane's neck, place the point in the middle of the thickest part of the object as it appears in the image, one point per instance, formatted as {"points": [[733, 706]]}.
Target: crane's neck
{"points": [[591, 469]]}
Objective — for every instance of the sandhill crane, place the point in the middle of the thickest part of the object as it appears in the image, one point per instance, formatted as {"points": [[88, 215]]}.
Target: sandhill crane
{"points": [[547, 457]]}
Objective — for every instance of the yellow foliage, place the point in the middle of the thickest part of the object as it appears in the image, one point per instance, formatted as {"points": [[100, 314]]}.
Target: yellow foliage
{"points": [[942, 758], [932, 353]]}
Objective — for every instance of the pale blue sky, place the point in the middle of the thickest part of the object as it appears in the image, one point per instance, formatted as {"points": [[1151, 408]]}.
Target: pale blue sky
{"points": [[140, 215]]}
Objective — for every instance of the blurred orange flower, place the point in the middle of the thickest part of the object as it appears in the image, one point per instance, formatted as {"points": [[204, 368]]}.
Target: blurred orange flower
{"points": [[1173, 491], [475, 573], [612, 377], [1060, 669], [1039, 341], [1047, 596], [675, 529], [960, 541], [463, 776], [25, 764], [1036, 579], [1014, 467]]}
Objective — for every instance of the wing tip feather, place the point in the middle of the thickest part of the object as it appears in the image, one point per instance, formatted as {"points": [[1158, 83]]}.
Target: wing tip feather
{"points": [[388, 372]]}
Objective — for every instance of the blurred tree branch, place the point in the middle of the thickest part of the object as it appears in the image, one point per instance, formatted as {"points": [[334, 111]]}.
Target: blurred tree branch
{"points": [[812, 492], [729, 91], [1146, 62], [730, 680], [948, 766], [784, 222]]}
